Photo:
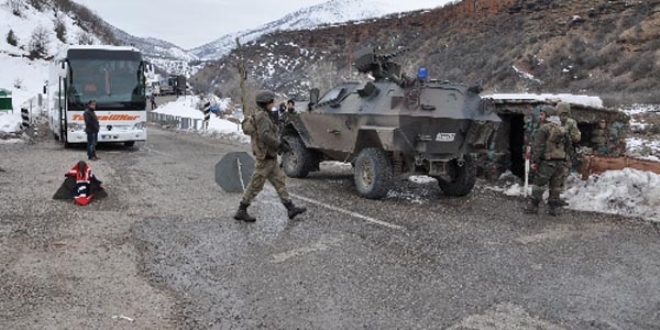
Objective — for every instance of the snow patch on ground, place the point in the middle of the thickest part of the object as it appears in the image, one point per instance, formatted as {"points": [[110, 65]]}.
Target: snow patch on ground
{"points": [[422, 179], [627, 192], [186, 107], [10, 122], [405, 195]]}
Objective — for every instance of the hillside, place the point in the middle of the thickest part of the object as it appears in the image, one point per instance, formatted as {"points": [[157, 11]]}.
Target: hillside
{"points": [[33, 31], [600, 47], [163, 54], [330, 12]]}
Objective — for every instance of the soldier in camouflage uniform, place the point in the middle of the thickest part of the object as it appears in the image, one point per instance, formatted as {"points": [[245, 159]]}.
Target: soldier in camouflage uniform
{"points": [[599, 138], [549, 154], [265, 147], [570, 125]]}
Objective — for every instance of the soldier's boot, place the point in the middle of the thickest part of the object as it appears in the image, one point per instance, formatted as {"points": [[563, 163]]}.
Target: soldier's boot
{"points": [[532, 206], [242, 214], [554, 209], [294, 210]]}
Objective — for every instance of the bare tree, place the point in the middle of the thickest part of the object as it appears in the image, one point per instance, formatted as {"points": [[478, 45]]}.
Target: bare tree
{"points": [[85, 38], [39, 42], [37, 4], [16, 6], [60, 28]]}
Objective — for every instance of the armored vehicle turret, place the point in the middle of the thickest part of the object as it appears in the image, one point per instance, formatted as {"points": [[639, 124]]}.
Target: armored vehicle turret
{"points": [[392, 127]]}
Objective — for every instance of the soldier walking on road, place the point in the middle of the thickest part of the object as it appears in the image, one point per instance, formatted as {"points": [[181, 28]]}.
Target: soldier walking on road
{"points": [[265, 147], [549, 157]]}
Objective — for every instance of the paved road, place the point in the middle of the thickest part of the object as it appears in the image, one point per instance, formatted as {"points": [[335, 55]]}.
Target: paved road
{"points": [[417, 260]]}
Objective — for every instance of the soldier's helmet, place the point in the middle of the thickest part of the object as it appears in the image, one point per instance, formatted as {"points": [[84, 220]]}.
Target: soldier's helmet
{"points": [[264, 96], [563, 108], [549, 110]]}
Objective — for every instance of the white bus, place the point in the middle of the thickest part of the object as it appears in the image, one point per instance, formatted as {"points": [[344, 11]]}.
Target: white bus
{"points": [[114, 77]]}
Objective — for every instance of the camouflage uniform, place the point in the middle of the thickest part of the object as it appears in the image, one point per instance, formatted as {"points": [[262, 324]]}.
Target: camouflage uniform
{"points": [[265, 147], [549, 153], [599, 141], [570, 126]]}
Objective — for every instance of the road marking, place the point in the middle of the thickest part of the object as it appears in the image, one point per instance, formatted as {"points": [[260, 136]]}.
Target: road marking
{"points": [[503, 317], [560, 232], [149, 149], [351, 213], [322, 245]]}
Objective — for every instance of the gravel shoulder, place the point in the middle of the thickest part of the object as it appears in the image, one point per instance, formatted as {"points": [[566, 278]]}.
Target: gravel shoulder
{"points": [[164, 251]]}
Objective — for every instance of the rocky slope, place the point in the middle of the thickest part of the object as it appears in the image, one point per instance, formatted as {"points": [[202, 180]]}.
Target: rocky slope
{"points": [[330, 12], [163, 54], [601, 47]]}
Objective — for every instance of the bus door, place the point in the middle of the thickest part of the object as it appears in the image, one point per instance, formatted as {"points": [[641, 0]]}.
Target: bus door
{"points": [[62, 109]]}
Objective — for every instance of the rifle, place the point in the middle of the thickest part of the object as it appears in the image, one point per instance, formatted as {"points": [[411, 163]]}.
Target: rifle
{"points": [[243, 76], [528, 154]]}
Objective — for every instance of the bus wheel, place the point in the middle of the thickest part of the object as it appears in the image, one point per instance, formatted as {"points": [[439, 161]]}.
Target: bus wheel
{"points": [[129, 143]]}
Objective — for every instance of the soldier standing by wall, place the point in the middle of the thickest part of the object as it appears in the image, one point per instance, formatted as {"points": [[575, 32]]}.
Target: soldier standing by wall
{"points": [[599, 138], [549, 157], [570, 125], [265, 147]]}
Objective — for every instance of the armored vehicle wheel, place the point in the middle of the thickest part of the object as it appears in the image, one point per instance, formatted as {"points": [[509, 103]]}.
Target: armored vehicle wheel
{"points": [[463, 177], [372, 173], [299, 161], [129, 143]]}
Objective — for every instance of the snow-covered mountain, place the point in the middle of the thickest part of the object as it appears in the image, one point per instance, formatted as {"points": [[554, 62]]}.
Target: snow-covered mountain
{"points": [[165, 55], [331, 12], [31, 34]]}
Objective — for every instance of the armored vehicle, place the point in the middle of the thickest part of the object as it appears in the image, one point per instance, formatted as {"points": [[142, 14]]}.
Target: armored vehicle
{"points": [[391, 127]]}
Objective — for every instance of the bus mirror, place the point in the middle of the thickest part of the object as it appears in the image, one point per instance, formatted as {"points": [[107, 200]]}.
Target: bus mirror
{"points": [[62, 70], [44, 89], [149, 70]]}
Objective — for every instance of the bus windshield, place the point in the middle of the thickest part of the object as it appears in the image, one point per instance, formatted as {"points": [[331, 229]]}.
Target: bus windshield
{"points": [[114, 79]]}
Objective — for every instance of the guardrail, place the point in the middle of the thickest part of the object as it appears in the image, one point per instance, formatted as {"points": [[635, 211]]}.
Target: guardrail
{"points": [[32, 109], [177, 122], [35, 106]]}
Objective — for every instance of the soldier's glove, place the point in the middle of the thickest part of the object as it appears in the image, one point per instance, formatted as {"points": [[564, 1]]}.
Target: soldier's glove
{"points": [[283, 147]]}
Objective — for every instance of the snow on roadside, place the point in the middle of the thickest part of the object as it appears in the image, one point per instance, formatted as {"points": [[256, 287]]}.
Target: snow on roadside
{"points": [[642, 141], [186, 107], [10, 122], [627, 192]]}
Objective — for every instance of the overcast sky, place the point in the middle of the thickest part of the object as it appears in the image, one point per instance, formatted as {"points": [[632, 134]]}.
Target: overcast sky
{"points": [[191, 23]]}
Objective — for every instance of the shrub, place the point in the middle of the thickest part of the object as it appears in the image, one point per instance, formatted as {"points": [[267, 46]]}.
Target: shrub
{"points": [[37, 4], [644, 66], [85, 38], [11, 38], [38, 47], [60, 29], [16, 7]]}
